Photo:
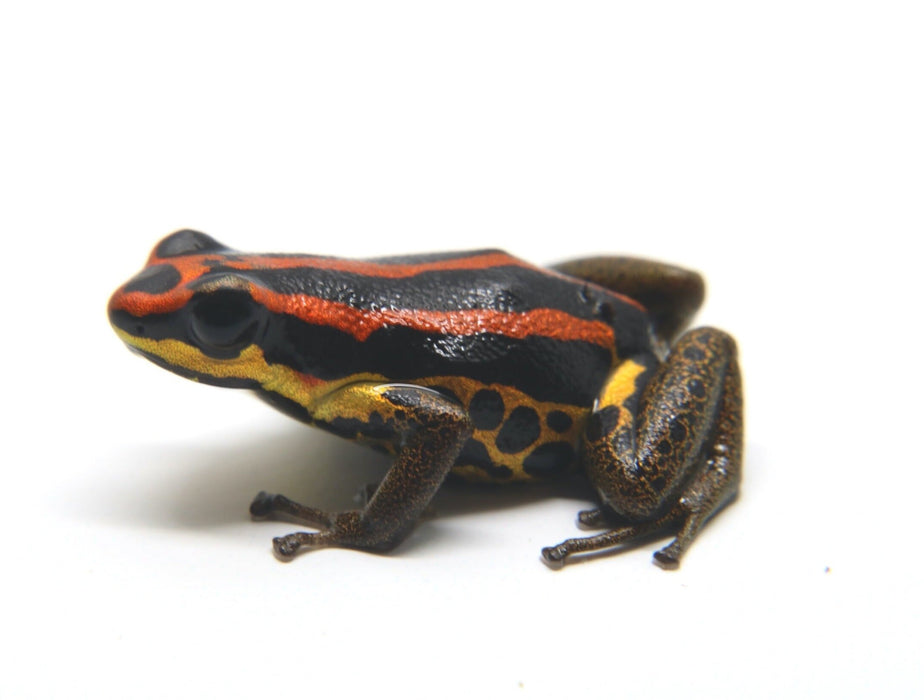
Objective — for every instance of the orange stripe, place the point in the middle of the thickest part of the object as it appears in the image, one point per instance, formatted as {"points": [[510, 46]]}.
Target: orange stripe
{"points": [[361, 323], [192, 267], [143, 303], [361, 267]]}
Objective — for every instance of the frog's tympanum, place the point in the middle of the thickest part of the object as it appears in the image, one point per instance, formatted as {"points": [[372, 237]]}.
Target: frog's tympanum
{"points": [[474, 363]]}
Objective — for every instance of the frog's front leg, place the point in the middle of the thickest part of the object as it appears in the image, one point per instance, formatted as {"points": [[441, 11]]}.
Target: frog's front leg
{"points": [[426, 430], [664, 446]]}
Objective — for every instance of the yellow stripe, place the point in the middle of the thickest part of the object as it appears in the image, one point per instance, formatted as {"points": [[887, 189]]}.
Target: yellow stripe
{"points": [[250, 364]]}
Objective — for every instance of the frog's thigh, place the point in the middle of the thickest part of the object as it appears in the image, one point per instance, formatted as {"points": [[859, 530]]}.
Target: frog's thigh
{"points": [[670, 294], [425, 429], [668, 450]]}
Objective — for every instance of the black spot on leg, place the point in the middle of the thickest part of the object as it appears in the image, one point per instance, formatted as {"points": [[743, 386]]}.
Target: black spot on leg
{"points": [[691, 352], [678, 432], [520, 431], [696, 388], [486, 409]]}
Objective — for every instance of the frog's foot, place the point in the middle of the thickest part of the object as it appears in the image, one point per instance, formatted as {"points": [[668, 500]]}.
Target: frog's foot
{"points": [[287, 546], [665, 453], [347, 529], [270, 506], [555, 556]]}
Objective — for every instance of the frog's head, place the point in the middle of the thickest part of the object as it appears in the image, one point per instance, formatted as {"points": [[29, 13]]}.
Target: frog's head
{"points": [[191, 312]]}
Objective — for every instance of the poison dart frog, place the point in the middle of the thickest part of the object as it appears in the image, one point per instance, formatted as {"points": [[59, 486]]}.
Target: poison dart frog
{"points": [[477, 364]]}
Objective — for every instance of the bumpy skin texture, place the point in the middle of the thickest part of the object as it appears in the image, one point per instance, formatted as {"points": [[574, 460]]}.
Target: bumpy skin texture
{"points": [[476, 363], [668, 454]]}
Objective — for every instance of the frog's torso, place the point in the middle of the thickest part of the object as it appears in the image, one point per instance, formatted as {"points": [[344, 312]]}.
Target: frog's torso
{"points": [[525, 351]]}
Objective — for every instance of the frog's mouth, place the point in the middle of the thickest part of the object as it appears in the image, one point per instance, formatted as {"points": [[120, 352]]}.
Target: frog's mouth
{"points": [[196, 376], [247, 371], [191, 363]]}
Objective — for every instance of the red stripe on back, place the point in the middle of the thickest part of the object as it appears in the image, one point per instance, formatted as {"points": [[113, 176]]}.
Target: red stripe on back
{"points": [[361, 323], [361, 267]]}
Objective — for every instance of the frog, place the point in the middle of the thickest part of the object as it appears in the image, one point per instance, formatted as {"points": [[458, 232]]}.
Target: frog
{"points": [[475, 364]]}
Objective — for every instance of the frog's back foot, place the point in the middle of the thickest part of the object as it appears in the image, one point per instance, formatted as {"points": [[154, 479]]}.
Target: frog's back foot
{"points": [[671, 294]]}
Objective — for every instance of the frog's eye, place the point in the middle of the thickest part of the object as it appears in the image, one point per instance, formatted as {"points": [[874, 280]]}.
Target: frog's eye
{"points": [[187, 242], [225, 321]]}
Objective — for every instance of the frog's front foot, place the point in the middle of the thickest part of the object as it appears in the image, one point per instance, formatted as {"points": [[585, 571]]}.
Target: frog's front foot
{"points": [[275, 506], [349, 529]]}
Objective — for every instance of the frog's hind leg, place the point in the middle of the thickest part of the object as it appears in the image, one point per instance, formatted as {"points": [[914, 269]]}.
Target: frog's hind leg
{"points": [[671, 294], [426, 430], [664, 446]]}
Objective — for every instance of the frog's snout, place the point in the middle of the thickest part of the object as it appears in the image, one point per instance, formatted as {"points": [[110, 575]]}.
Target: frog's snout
{"points": [[120, 318], [153, 292]]}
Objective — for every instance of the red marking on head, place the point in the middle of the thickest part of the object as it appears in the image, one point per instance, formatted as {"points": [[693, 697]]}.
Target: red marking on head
{"points": [[145, 303]]}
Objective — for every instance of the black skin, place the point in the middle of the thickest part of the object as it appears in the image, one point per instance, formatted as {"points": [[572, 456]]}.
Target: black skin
{"points": [[665, 460]]}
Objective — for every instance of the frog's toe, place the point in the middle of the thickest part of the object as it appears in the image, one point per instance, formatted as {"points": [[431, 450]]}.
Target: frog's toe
{"points": [[262, 506], [554, 557], [284, 547], [593, 519], [669, 556], [666, 560], [287, 546]]}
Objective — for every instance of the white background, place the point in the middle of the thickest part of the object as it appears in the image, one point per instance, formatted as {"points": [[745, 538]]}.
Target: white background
{"points": [[777, 148]]}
